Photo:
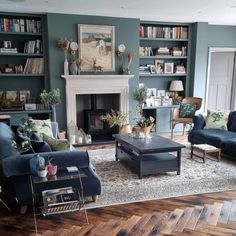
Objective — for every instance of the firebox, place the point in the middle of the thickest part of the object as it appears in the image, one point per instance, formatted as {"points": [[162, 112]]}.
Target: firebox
{"points": [[93, 124]]}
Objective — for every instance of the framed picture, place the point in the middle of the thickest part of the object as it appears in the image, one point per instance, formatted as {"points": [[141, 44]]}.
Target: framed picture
{"points": [[159, 66], [19, 69], [24, 95], [180, 69], [151, 92], [169, 68], [161, 93], [96, 47]]}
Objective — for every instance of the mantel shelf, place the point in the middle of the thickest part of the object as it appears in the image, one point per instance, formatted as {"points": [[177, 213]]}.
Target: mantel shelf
{"points": [[104, 76]]}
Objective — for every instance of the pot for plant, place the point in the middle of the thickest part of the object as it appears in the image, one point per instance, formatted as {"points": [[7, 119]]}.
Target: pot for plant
{"points": [[141, 132], [42, 173], [125, 129]]}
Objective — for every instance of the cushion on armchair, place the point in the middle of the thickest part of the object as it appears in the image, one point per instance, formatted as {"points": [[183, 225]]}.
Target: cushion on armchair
{"points": [[56, 144], [42, 126], [38, 144], [187, 110]]}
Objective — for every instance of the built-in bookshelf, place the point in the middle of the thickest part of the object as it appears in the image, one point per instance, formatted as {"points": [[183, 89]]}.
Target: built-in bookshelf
{"points": [[163, 53], [22, 54]]}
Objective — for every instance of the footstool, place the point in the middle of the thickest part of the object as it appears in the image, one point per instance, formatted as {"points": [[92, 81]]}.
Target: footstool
{"points": [[205, 149]]}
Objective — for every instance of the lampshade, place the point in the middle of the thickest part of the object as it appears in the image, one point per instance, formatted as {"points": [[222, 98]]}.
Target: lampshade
{"points": [[176, 85]]}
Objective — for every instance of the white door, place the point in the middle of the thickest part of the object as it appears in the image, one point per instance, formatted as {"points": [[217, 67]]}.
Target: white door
{"points": [[220, 80]]}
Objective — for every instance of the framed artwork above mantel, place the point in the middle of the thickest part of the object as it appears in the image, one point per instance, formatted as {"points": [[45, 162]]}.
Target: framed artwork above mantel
{"points": [[96, 47]]}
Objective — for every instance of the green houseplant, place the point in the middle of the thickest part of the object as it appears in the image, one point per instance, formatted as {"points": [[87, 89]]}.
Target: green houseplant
{"points": [[51, 98]]}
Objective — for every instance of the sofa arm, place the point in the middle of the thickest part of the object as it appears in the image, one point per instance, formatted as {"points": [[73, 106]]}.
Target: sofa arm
{"points": [[19, 164], [198, 122]]}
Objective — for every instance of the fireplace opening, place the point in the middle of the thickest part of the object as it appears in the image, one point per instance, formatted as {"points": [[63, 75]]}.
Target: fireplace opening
{"points": [[90, 108]]}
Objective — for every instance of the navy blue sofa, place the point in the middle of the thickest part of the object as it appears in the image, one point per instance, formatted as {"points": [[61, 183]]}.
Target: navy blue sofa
{"points": [[16, 168], [224, 139]]}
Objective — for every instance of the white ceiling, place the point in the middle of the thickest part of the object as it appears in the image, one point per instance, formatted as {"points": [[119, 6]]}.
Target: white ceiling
{"points": [[221, 12]]}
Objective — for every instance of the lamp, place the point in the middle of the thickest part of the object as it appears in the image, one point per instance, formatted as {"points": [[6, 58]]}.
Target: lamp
{"points": [[176, 86]]}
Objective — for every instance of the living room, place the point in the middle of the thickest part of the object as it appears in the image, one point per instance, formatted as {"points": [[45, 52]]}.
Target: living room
{"points": [[197, 183]]}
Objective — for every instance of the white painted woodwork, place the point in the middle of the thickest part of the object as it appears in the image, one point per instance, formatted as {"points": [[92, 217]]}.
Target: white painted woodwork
{"points": [[95, 84]]}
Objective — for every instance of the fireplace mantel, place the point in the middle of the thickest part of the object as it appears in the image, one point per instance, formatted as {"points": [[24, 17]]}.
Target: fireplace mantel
{"points": [[95, 84]]}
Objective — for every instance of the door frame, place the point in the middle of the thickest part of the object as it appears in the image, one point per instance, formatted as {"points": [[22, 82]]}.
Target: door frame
{"points": [[211, 50]]}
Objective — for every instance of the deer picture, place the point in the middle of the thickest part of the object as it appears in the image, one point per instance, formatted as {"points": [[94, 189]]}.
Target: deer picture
{"points": [[96, 68]]}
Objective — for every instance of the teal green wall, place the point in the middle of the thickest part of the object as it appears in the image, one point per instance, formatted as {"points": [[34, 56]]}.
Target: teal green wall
{"points": [[206, 36], [65, 26]]}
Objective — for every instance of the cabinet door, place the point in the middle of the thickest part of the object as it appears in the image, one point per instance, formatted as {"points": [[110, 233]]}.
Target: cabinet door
{"points": [[164, 120]]}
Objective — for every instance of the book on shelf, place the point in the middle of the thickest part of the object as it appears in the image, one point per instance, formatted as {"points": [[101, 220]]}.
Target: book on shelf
{"points": [[34, 66], [34, 46], [8, 50]]}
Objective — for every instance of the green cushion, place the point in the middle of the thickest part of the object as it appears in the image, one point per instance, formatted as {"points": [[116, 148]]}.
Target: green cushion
{"points": [[216, 120], [56, 144], [42, 127], [187, 110]]}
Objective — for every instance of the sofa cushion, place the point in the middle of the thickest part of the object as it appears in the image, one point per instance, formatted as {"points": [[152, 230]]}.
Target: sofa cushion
{"points": [[6, 141], [230, 147], [215, 137], [42, 126], [232, 121], [187, 110], [38, 144], [56, 144], [216, 120]]}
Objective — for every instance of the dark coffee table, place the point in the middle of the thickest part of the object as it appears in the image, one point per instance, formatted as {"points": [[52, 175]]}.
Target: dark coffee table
{"points": [[148, 155]]}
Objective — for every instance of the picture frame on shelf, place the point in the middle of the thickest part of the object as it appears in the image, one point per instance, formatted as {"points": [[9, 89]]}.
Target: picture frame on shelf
{"points": [[96, 45], [168, 67], [18, 69], [159, 66], [151, 92], [161, 93], [180, 69], [24, 95]]}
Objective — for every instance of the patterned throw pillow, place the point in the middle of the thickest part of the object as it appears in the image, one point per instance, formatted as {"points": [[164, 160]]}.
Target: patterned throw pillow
{"points": [[56, 144], [216, 120], [187, 110], [42, 127]]}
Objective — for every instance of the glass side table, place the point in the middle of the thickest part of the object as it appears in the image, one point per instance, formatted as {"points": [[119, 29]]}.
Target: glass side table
{"points": [[58, 200], [1, 201]]}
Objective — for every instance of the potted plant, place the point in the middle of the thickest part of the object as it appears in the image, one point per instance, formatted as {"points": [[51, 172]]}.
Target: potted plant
{"points": [[143, 124], [51, 98], [117, 118], [42, 171], [52, 169]]}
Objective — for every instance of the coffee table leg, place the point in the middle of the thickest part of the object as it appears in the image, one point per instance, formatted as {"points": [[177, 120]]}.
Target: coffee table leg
{"points": [[179, 161], [116, 151], [140, 166]]}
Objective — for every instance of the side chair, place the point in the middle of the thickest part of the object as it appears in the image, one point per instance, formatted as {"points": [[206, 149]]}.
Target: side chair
{"points": [[185, 119]]}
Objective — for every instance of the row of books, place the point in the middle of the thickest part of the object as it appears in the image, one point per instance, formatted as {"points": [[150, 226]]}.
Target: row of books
{"points": [[34, 46], [163, 32], [162, 51], [20, 25], [34, 66]]}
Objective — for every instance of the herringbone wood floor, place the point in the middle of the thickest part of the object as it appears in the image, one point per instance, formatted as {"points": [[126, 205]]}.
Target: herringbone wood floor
{"points": [[199, 215]]}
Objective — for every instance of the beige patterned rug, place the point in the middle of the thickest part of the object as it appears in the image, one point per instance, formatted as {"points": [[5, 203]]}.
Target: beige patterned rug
{"points": [[120, 185]]}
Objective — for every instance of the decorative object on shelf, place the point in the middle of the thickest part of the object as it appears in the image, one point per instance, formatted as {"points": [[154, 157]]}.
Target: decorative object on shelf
{"points": [[140, 94], [159, 66], [180, 69], [97, 41], [121, 54], [35, 162], [51, 99], [42, 171], [75, 67], [176, 86], [168, 67], [10, 102]]}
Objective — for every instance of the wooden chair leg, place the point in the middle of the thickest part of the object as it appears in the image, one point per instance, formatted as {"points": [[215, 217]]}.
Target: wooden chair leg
{"points": [[172, 129], [95, 198], [23, 209]]}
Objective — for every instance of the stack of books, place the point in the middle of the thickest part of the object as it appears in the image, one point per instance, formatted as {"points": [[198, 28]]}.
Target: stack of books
{"points": [[8, 50], [34, 66], [163, 51], [176, 52], [144, 69], [33, 46]]}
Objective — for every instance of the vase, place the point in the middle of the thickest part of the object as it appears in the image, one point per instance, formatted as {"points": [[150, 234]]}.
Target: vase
{"points": [[73, 68], [42, 173], [54, 114], [125, 129], [52, 170], [66, 67], [141, 132]]}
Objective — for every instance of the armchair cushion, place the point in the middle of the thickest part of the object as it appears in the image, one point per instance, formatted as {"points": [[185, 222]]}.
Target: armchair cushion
{"points": [[216, 120], [198, 122], [42, 126], [38, 144], [232, 121], [187, 110]]}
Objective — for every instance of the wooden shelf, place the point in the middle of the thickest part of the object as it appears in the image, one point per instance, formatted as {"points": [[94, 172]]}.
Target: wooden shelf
{"points": [[22, 33], [21, 75], [22, 54], [161, 75], [162, 39], [163, 57]]}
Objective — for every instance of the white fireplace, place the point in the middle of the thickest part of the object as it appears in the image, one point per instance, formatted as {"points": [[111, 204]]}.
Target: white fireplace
{"points": [[95, 84]]}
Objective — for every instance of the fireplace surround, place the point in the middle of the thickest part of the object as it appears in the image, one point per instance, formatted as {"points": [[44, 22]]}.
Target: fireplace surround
{"points": [[95, 84]]}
